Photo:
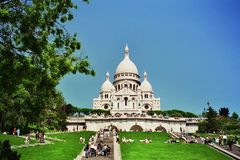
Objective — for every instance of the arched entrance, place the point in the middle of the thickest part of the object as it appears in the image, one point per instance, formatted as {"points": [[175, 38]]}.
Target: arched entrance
{"points": [[160, 129], [136, 128]]}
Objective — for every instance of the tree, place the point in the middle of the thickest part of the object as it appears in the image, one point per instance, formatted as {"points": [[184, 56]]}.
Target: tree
{"points": [[219, 123], [234, 116], [211, 125], [224, 111], [36, 51]]}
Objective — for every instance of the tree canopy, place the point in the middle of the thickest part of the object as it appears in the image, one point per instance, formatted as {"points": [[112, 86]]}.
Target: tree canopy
{"points": [[173, 113], [221, 122], [36, 51], [234, 116], [224, 111]]}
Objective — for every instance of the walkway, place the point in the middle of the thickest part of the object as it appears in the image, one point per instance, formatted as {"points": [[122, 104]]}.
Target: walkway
{"points": [[234, 153], [108, 141], [117, 150]]}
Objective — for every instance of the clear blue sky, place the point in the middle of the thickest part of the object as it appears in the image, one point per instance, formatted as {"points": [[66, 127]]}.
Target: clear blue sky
{"points": [[189, 48]]}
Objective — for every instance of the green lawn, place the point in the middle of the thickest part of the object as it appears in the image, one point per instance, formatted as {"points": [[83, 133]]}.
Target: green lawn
{"points": [[14, 140], [59, 150], [162, 151]]}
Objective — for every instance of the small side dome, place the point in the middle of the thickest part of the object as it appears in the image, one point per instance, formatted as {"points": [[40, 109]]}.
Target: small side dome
{"points": [[107, 85], [145, 85]]}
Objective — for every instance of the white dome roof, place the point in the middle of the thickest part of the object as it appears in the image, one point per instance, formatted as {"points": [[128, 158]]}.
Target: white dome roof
{"points": [[107, 85], [145, 85], [126, 65]]}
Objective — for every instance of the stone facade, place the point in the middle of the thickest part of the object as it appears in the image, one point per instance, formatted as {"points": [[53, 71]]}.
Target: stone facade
{"points": [[124, 123]]}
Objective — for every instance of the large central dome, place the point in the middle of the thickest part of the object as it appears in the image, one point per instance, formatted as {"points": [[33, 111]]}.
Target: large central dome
{"points": [[126, 65]]}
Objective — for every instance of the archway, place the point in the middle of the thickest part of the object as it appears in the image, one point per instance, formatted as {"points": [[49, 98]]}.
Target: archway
{"points": [[160, 129], [136, 128], [118, 114], [134, 114]]}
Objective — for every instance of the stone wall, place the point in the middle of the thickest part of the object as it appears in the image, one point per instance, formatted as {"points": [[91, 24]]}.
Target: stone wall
{"points": [[125, 124]]}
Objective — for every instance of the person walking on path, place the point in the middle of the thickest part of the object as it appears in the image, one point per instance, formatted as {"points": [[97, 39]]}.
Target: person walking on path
{"points": [[230, 143]]}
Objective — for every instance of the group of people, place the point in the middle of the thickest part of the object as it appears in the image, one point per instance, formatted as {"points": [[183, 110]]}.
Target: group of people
{"points": [[101, 149], [104, 133], [38, 136], [146, 140], [220, 140], [188, 138], [224, 140], [16, 132]]}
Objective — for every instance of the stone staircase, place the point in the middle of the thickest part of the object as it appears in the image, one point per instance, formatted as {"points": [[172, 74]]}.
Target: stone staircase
{"points": [[107, 141]]}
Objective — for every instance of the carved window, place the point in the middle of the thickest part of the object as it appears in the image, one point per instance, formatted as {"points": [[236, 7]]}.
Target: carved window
{"points": [[106, 95], [125, 100], [145, 95]]}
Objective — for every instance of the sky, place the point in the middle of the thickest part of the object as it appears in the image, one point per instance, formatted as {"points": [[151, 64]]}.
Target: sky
{"points": [[189, 48]]}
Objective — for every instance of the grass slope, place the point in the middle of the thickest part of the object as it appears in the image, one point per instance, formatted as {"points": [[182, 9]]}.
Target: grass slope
{"points": [[14, 140], [158, 150], [59, 150]]}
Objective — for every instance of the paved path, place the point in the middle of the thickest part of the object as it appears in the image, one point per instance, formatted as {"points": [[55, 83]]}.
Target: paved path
{"points": [[234, 153], [108, 141], [117, 151], [235, 150]]}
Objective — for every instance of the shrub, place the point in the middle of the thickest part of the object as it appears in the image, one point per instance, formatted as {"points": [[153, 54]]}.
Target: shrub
{"points": [[6, 153]]}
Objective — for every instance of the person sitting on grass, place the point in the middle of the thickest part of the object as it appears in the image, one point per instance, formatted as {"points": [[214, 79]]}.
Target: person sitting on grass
{"points": [[172, 141], [147, 140], [130, 140], [82, 140], [124, 140]]}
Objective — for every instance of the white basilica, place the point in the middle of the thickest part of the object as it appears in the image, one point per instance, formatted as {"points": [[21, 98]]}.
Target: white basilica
{"points": [[127, 94]]}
